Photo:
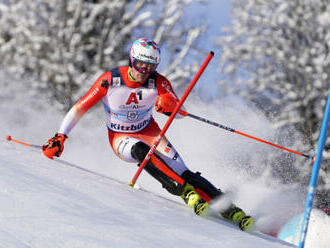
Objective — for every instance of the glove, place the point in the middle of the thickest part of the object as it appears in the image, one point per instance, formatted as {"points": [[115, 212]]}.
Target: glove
{"points": [[166, 104], [54, 146]]}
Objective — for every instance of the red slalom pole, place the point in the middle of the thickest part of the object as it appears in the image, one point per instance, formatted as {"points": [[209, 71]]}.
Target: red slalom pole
{"points": [[171, 118]]}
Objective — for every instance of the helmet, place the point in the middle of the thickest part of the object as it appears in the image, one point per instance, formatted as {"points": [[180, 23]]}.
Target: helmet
{"points": [[146, 51]]}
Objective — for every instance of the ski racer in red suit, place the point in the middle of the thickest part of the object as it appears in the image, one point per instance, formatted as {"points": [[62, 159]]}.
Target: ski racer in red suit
{"points": [[129, 94]]}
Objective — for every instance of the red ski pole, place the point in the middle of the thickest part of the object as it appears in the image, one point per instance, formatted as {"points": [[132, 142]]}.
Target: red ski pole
{"points": [[9, 138], [184, 113], [169, 121]]}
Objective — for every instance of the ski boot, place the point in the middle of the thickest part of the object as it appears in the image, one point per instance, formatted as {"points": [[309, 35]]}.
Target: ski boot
{"points": [[201, 207], [237, 215], [192, 199]]}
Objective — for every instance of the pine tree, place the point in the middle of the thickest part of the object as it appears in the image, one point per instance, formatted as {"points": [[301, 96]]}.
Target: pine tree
{"points": [[65, 45], [276, 54]]}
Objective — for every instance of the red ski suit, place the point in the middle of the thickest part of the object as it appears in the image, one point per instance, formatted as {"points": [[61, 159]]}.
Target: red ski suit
{"points": [[128, 106]]}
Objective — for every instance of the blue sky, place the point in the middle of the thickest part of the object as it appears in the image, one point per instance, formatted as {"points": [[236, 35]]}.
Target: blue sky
{"points": [[217, 14]]}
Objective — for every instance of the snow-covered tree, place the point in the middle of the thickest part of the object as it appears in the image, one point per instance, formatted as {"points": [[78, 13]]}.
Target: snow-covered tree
{"points": [[276, 54], [64, 44]]}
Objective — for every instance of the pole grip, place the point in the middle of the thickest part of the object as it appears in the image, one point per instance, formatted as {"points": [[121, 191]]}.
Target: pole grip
{"points": [[171, 118]]}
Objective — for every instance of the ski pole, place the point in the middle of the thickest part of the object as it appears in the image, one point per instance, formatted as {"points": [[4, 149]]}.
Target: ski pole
{"points": [[184, 113], [9, 138], [169, 121]]}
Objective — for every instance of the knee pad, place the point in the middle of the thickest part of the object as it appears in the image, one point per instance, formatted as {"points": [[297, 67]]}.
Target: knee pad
{"points": [[139, 151]]}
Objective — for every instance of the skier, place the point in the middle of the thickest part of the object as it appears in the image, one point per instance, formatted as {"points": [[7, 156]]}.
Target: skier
{"points": [[128, 94]]}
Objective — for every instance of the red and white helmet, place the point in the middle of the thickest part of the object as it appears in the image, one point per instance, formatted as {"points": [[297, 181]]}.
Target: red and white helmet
{"points": [[146, 51]]}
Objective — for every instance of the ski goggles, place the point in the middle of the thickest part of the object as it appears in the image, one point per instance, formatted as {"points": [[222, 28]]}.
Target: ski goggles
{"points": [[144, 67]]}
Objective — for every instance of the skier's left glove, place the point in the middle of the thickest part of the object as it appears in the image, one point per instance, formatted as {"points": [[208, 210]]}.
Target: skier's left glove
{"points": [[166, 104], [54, 146]]}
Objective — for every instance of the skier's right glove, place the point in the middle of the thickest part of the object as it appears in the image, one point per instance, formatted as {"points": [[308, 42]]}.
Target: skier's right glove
{"points": [[54, 146]]}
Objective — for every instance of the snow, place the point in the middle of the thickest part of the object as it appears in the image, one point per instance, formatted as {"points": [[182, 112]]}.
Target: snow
{"points": [[45, 203]]}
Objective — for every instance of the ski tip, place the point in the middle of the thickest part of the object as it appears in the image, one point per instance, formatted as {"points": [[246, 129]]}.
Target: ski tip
{"points": [[8, 138], [212, 53]]}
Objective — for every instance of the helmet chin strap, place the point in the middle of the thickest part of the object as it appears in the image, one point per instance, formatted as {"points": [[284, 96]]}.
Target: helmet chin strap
{"points": [[130, 75]]}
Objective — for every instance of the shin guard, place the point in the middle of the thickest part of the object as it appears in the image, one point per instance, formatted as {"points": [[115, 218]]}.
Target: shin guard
{"points": [[158, 169]]}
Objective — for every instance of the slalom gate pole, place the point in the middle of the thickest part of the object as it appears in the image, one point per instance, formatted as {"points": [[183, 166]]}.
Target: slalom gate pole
{"points": [[184, 113], [171, 118], [315, 174], [9, 138]]}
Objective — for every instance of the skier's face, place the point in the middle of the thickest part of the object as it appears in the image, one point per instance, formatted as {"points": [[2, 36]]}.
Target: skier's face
{"points": [[143, 72]]}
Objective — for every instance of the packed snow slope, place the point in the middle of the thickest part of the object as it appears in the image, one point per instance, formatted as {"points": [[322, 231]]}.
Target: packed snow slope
{"points": [[48, 204]]}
